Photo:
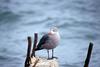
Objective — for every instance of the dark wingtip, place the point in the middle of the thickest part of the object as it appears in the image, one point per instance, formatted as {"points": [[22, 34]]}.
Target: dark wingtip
{"points": [[37, 49]]}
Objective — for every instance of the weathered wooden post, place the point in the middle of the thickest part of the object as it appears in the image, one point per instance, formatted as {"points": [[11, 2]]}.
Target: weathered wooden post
{"points": [[34, 45], [88, 55], [28, 58]]}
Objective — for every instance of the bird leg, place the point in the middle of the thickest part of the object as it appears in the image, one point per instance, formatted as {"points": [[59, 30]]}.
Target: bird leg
{"points": [[48, 53], [53, 54]]}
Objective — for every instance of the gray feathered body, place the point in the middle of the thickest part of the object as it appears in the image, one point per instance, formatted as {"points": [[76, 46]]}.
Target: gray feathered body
{"points": [[48, 41]]}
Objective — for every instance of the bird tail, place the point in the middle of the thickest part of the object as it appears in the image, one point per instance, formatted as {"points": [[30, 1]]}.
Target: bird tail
{"points": [[38, 48]]}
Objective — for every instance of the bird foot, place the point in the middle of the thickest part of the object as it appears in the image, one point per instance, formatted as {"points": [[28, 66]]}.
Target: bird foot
{"points": [[49, 58], [52, 58], [55, 57]]}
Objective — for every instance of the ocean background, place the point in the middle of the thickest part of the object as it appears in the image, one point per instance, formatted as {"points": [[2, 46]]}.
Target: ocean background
{"points": [[78, 22]]}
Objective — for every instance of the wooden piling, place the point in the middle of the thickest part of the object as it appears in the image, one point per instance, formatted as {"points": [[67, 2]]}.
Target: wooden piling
{"points": [[28, 58], [88, 55], [34, 45]]}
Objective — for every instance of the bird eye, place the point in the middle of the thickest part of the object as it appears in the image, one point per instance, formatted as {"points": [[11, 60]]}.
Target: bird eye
{"points": [[54, 30]]}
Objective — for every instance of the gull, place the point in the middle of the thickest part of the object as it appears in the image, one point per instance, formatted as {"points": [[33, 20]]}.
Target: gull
{"points": [[49, 41]]}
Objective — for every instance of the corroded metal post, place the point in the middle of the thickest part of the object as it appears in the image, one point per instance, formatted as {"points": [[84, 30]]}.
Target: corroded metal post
{"points": [[35, 43], [28, 58], [88, 55]]}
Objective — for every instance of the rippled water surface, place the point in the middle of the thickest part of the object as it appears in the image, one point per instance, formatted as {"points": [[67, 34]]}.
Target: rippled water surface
{"points": [[78, 22]]}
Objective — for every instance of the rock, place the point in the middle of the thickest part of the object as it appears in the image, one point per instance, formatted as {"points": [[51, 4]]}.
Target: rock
{"points": [[43, 62]]}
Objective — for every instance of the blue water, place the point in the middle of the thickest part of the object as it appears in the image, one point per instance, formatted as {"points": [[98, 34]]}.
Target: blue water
{"points": [[78, 22]]}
